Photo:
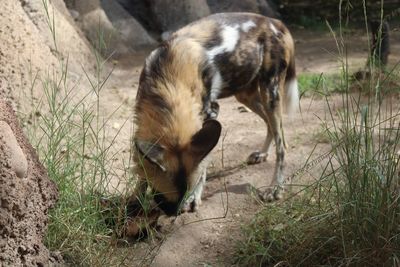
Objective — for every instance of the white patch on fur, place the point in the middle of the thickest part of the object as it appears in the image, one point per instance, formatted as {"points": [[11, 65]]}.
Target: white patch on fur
{"points": [[150, 59], [216, 86], [248, 25], [273, 28], [230, 37], [292, 97]]}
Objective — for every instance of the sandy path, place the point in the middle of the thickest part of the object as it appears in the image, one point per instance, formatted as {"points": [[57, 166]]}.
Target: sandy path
{"points": [[209, 235]]}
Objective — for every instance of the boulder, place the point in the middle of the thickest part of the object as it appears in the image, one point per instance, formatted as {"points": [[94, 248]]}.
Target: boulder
{"points": [[262, 7], [109, 27], [142, 12], [102, 34], [130, 30], [171, 15], [26, 194]]}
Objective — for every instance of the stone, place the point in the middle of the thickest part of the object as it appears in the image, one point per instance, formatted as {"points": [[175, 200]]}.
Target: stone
{"points": [[17, 158]]}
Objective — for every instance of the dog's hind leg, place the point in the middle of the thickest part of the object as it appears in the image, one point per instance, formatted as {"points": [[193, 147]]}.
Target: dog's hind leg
{"points": [[271, 97], [264, 100], [252, 99]]}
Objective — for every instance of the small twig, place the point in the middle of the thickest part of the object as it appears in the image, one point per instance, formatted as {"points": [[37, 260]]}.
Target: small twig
{"points": [[226, 171], [222, 149], [214, 218]]}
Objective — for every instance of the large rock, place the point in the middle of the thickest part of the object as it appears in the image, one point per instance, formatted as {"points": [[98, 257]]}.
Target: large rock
{"points": [[109, 28], [102, 34], [141, 11], [26, 194], [128, 28], [171, 15], [255, 6]]}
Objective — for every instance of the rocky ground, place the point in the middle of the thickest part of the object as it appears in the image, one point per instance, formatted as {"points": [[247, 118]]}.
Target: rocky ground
{"points": [[26, 194]]}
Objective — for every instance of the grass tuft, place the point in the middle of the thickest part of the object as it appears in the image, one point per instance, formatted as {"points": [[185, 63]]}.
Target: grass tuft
{"points": [[351, 215], [69, 132], [321, 84]]}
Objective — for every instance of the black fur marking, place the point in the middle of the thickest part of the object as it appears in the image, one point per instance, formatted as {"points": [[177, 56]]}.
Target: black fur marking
{"points": [[169, 208], [207, 75], [236, 76], [267, 76], [261, 39], [156, 68], [148, 92], [291, 70], [274, 94], [152, 72], [278, 55], [215, 40], [281, 156], [270, 77], [282, 66], [180, 182]]}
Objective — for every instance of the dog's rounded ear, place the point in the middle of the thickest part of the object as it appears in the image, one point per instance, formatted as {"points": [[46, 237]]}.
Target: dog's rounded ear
{"points": [[205, 139], [152, 152]]}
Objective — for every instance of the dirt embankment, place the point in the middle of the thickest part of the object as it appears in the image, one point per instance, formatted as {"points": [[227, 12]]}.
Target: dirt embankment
{"points": [[26, 194], [28, 55]]}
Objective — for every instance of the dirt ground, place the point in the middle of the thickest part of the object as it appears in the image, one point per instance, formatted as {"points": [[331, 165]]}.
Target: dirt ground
{"points": [[208, 237]]}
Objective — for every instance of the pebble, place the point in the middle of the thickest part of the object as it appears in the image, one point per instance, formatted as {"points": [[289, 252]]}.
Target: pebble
{"points": [[116, 125], [18, 162]]}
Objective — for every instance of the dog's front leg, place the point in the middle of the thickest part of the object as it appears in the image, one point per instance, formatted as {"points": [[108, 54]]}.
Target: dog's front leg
{"points": [[193, 202]]}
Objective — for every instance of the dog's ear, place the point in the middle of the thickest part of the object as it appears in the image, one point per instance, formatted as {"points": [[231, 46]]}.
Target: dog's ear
{"points": [[205, 140], [152, 152]]}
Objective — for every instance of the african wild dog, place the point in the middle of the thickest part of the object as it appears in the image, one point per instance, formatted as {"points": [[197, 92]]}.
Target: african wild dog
{"points": [[241, 54]]}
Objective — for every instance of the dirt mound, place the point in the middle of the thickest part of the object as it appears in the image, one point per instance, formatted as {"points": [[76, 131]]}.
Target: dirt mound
{"points": [[26, 194], [28, 53]]}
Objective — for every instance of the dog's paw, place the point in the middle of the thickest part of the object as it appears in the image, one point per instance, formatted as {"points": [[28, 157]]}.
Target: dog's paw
{"points": [[191, 205], [256, 157], [272, 194]]}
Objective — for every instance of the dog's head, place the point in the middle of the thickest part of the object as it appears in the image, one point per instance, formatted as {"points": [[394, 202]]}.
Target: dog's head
{"points": [[174, 172]]}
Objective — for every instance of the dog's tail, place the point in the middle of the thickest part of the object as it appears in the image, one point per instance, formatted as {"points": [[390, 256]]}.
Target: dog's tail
{"points": [[292, 101]]}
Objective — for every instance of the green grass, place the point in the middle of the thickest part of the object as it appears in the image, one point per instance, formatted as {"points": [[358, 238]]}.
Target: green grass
{"points": [[350, 216], [322, 84], [70, 135]]}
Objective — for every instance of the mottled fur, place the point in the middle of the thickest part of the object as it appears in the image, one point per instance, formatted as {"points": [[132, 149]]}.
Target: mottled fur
{"points": [[244, 55]]}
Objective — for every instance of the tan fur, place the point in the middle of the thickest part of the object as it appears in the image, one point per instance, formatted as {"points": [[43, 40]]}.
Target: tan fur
{"points": [[175, 129], [199, 32], [182, 96]]}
